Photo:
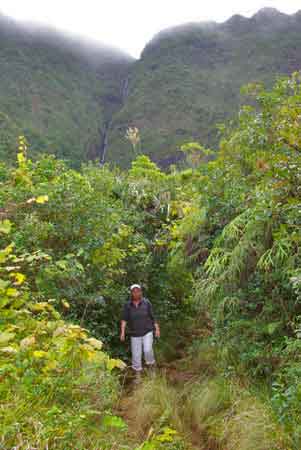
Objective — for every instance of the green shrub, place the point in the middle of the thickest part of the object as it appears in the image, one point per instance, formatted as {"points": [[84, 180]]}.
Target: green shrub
{"points": [[57, 384]]}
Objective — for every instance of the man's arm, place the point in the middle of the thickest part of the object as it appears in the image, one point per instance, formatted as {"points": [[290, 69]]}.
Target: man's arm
{"points": [[157, 329], [122, 330], [156, 324], [124, 320]]}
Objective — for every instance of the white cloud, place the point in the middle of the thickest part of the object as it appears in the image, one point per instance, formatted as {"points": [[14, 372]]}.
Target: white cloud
{"points": [[130, 24]]}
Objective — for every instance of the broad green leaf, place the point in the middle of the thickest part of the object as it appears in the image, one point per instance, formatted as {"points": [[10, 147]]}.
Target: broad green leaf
{"points": [[272, 327], [3, 284], [4, 301], [5, 226], [62, 264], [6, 337], [114, 422]]}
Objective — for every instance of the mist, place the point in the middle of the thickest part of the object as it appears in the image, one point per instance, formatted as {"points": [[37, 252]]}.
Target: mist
{"points": [[92, 51], [130, 25], [264, 21]]}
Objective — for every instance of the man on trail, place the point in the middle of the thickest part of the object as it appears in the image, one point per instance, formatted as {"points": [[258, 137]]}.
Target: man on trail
{"points": [[138, 315]]}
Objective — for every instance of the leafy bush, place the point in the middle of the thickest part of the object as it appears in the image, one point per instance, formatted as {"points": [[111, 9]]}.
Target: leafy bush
{"points": [[56, 381]]}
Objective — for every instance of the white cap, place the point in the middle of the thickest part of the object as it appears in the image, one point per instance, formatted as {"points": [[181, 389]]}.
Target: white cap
{"points": [[135, 286]]}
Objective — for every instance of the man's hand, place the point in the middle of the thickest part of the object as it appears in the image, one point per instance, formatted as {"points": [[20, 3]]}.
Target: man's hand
{"points": [[122, 336], [157, 330]]}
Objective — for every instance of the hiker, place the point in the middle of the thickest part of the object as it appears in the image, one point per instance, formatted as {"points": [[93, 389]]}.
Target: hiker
{"points": [[138, 315]]}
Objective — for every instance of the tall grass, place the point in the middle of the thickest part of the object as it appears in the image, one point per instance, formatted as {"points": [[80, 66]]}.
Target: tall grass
{"points": [[154, 404], [211, 413], [229, 414]]}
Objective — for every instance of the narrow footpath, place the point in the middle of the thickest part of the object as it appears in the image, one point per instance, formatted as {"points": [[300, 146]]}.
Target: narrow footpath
{"points": [[173, 375]]}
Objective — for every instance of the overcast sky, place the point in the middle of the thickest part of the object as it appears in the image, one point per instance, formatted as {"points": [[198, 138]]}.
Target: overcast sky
{"points": [[130, 24]]}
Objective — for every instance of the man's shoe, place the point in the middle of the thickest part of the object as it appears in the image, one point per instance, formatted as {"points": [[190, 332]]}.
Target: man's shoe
{"points": [[137, 379], [152, 370]]}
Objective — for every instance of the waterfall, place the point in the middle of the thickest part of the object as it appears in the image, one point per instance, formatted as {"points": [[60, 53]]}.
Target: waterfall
{"points": [[104, 132], [125, 89], [104, 142]]}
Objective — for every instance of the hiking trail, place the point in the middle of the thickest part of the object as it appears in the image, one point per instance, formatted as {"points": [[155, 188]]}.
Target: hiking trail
{"points": [[175, 374]]}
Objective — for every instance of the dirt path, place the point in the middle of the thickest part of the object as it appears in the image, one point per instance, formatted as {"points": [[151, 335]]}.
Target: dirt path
{"points": [[177, 379], [176, 375]]}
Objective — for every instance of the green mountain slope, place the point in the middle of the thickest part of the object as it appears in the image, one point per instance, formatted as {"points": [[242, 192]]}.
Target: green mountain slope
{"points": [[77, 99], [57, 90], [189, 78]]}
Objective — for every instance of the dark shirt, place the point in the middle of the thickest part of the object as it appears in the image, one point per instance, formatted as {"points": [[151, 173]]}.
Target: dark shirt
{"points": [[140, 318]]}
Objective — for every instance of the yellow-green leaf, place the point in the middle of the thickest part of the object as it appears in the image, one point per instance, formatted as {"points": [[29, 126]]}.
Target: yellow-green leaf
{"points": [[114, 422], [6, 337], [5, 226], [19, 277], [115, 363], [5, 252], [38, 354], [51, 365], [65, 304], [3, 284], [42, 199], [39, 307], [12, 292], [21, 158], [9, 350], [95, 343]]}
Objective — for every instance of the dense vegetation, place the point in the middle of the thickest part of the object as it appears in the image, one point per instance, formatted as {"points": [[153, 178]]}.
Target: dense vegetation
{"points": [[77, 99], [216, 246]]}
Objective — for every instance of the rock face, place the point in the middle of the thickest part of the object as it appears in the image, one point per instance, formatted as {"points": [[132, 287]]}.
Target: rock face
{"points": [[76, 99]]}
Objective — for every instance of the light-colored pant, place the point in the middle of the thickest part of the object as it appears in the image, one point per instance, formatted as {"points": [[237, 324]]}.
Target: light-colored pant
{"points": [[145, 342]]}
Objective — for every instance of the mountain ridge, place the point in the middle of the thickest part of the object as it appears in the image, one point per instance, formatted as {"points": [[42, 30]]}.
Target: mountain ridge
{"points": [[76, 98], [188, 79], [263, 15]]}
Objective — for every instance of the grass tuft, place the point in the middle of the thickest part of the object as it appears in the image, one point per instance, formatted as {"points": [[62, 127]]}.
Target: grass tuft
{"points": [[154, 404]]}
